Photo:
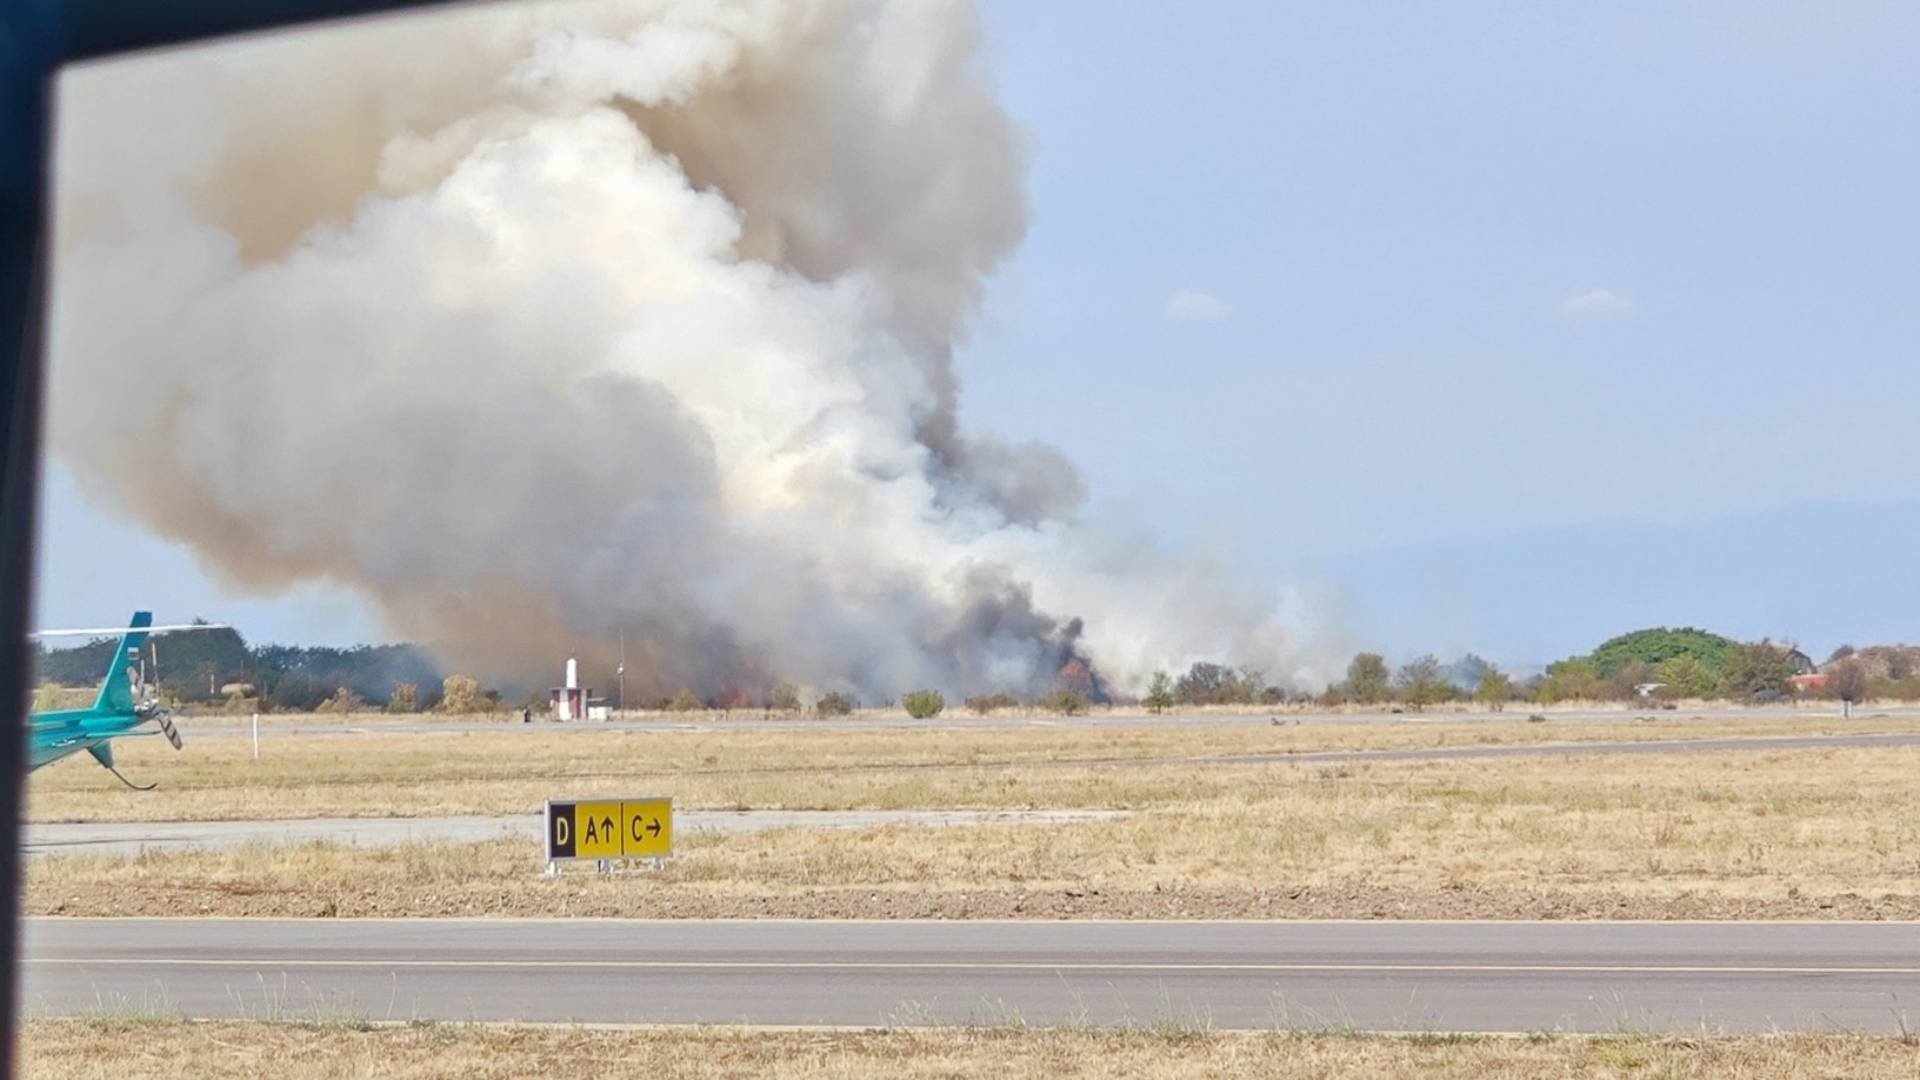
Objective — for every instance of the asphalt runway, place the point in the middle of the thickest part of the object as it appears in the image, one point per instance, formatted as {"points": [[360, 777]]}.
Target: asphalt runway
{"points": [[132, 837], [1404, 976]]}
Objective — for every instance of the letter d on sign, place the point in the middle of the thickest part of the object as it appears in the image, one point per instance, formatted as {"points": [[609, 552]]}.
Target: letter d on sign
{"points": [[560, 831]]}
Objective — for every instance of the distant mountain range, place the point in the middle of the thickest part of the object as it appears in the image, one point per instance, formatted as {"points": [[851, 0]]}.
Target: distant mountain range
{"points": [[1817, 573]]}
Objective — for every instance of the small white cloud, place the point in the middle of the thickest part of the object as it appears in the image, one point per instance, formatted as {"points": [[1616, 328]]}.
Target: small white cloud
{"points": [[1191, 306], [1598, 303]]}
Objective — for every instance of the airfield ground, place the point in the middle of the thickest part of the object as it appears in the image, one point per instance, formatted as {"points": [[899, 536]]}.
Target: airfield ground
{"points": [[1226, 821], [119, 1046], [365, 767], [1804, 833]]}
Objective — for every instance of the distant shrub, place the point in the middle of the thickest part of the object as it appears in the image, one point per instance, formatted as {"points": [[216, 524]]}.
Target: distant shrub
{"points": [[344, 700], [1494, 690], [1367, 680], [1159, 693], [685, 701], [1218, 684], [459, 694], [986, 703], [1420, 683], [1065, 702], [835, 704], [404, 699], [785, 698], [1847, 680], [46, 697], [923, 704], [1536, 718]]}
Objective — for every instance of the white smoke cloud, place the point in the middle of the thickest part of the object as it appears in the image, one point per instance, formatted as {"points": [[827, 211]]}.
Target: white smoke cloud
{"points": [[1598, 304], [1191, 305], [537, 324]]}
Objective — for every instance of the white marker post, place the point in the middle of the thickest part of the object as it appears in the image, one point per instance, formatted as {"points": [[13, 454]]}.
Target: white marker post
{"points": [[256, 736]]}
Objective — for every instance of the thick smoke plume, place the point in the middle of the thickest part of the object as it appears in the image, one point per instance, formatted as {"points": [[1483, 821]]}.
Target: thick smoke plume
{"points": [[539, 324]]}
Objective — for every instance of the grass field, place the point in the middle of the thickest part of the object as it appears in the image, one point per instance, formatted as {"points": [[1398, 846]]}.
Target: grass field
{"points": [[115, 1048], [514, 769], [1830, 833]]}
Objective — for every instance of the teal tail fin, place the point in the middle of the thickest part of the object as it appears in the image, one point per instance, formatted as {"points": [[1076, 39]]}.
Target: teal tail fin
{"points": [[116, 695]]}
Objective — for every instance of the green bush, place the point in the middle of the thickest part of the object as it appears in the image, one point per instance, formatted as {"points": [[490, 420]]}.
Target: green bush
{"points": [[835, 704], [1367, 680], [923, 704], [685, 701], [785, 698], [1420, 683], [1495, 689]]}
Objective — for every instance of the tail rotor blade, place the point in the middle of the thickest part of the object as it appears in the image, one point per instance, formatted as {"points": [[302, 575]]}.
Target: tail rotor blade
{"points": [[165, 720]]}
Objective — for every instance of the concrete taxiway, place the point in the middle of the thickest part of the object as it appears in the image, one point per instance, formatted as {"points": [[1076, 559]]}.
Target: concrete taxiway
{"points": [[133, 837], [1439, 976]]}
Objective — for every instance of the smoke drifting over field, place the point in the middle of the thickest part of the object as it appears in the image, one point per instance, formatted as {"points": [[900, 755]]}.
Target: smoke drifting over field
{"points": [[537, 324]]}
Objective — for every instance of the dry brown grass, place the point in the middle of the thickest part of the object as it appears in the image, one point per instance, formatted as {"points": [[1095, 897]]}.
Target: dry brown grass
{"points": [[1805, 833], [112, 1049], [514, 769]]}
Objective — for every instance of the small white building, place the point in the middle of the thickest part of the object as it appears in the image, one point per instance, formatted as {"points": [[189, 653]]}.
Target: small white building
{"points": [[569, 702]]}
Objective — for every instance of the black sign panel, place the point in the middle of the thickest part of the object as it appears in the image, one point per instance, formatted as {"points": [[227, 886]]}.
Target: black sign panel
{"points": [[561, 836]]}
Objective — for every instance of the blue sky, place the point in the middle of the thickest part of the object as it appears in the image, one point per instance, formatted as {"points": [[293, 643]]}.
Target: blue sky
{"points": [[1337, 287]]}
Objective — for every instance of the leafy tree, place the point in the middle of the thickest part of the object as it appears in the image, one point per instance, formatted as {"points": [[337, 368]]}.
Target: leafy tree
{"points": [[835, 704], [1756, 669], [373, 671], [1847, 680], [404, 699], [1244, 687], [1652, 647], [1686, 677], [1494, 689], [785, 698], [1159, 693], [923, 704], [1625, 682], [460, 694], [1202, 683], [1841, 653], [1367, 682], [291, 691], [81, 665], [686, 701], [1569, 680], [1421, 683]]}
